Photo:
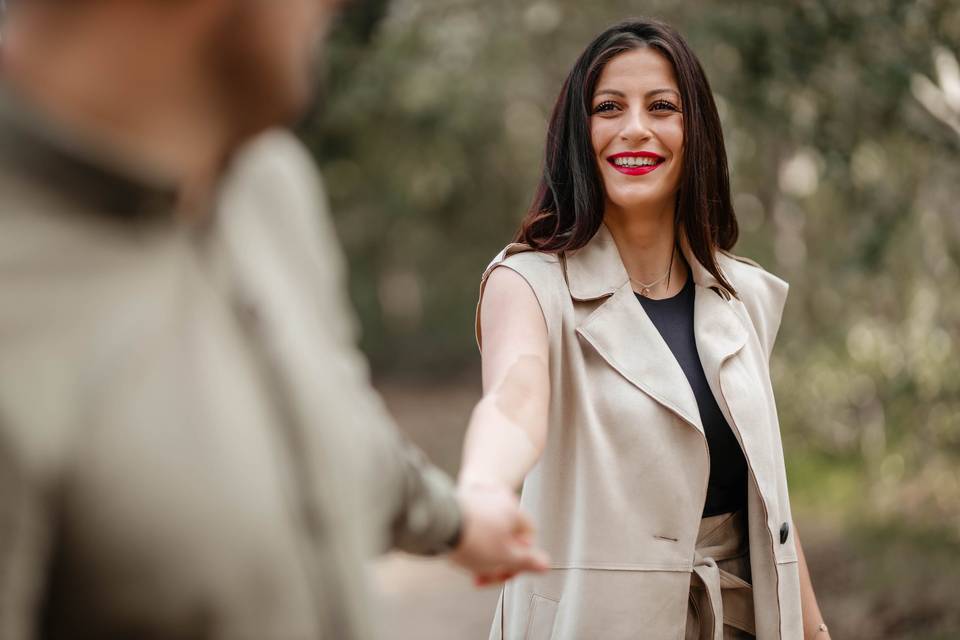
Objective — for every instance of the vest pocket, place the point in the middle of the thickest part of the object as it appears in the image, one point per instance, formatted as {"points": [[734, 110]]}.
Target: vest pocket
{"points": [[543, 612]]}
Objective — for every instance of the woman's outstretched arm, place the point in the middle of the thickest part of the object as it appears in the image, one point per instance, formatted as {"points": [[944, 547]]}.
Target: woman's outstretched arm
{"points": [[508, 428], [812, 619]]}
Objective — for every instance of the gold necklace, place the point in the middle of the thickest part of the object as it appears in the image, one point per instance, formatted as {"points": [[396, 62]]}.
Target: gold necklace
{"points": [[645, 288]]}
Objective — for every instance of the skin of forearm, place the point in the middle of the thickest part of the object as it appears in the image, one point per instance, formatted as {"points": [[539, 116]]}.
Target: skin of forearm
{"points": [[808, 599], [508, 427]]}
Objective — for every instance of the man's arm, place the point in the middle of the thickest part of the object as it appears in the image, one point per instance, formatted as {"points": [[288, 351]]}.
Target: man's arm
{"points": [[24, 539], [411, 504]]}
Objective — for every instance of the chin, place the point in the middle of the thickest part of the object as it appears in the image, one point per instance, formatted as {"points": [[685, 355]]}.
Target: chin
{"points": [[646, 200]]}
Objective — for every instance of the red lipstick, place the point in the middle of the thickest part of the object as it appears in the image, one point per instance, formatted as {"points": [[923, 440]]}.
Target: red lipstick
{"points": [[636, 169]]}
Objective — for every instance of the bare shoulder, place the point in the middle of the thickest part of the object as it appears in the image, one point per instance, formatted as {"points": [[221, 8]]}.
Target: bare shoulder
{"points": [[509, 298], [516, 293], [521, 271]]}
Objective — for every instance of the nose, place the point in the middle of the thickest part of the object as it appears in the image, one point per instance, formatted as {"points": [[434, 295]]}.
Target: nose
{"points": [[635, 126]]}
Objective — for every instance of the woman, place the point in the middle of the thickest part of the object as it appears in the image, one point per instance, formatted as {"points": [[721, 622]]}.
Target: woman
{"points": [[626, 378]]}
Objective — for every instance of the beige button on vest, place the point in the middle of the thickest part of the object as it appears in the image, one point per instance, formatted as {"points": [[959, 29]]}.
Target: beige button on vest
{"points": [[619, 492]]}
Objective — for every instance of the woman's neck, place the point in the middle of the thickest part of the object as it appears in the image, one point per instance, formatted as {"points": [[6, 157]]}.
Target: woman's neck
{"points": [[646, 240]]}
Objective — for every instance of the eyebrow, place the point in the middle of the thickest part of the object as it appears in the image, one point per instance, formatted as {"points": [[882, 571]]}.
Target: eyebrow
{"points": [[621, 94]]}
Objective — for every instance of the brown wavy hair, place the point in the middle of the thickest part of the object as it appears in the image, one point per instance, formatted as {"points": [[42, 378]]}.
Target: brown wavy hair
{"points": [[568, 207]]}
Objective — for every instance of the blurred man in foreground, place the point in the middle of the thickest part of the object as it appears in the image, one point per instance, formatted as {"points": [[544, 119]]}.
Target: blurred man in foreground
{"points": [[189, 446]]}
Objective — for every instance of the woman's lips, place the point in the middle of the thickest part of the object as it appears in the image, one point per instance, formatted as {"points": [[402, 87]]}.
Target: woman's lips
{"points": [[636, 169]]}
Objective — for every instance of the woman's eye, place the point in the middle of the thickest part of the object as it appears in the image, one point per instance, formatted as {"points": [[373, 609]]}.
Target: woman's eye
{"points": [[663, 105], [604, 107]]}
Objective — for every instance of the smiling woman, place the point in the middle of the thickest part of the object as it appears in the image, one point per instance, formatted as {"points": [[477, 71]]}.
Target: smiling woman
{"points": [[627, 115], [643, 426], [629, 81]]}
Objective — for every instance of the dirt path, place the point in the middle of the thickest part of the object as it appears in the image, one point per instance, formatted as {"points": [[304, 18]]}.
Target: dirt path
{"points": [[427, 599], [430, 600], [873, 583]]}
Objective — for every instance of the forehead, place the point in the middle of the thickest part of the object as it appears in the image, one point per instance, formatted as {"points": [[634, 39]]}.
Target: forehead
{"points": [[637, 70]]}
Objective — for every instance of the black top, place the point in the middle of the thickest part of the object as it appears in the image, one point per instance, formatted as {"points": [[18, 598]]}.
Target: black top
{"points": [[673, 317]]}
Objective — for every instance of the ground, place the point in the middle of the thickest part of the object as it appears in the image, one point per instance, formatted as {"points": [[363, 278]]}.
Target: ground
{"points": [[873, 582]]}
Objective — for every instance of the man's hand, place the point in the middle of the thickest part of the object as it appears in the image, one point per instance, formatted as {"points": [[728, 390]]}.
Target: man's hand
{"points": [[497, 537]]}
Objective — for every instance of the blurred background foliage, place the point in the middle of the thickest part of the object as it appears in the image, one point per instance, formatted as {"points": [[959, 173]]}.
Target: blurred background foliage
{"points": [[842, 122]]}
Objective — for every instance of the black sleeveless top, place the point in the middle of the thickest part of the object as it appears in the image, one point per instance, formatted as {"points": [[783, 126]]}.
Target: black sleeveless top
{"points": [[673, 317]]}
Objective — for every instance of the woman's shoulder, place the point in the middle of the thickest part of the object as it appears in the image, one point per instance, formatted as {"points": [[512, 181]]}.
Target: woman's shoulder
{"points": [[749, 275], [540, 268], [543, 274], [762, 293]]}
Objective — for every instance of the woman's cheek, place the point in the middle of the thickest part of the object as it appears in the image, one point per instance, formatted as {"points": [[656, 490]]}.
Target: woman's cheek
{"points": [[597, 139]]}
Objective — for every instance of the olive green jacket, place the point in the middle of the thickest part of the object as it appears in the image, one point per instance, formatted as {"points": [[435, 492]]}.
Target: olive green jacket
{"points": [[189, 444]]}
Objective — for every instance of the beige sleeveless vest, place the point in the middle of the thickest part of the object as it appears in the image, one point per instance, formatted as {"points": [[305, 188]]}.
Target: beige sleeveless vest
{"points": [[618, 495]]}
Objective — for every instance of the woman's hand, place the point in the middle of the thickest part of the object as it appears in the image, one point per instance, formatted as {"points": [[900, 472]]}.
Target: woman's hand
{"points": [[497, 538]]}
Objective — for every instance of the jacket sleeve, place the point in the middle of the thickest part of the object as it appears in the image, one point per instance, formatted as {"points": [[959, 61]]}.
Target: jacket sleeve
{"points": [[407, 501]]}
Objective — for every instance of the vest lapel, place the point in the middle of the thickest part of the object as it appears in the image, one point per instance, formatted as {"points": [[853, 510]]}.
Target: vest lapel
{"points": [[622, 333], [624, 336], [721, 335], [719, 332], [620, 330]]}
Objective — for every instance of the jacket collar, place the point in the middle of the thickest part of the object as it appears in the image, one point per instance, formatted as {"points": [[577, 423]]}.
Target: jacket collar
{"points": [[80, 168], [625, 337], [596, 270]]}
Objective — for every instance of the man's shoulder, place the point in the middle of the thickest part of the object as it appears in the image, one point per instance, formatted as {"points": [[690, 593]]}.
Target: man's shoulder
{"points": [[273, 189], [276, 153], [276, 165], [275, 218]]}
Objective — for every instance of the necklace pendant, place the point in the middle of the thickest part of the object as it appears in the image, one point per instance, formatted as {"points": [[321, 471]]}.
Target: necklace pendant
{"points": [[644, 291]]}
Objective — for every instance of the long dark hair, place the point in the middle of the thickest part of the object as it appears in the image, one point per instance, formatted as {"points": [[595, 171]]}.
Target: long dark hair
{"points": [[568, 207]]}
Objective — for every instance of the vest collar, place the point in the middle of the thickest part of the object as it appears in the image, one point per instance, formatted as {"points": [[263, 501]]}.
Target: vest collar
{"points": [[622, 334], [596, 269]]}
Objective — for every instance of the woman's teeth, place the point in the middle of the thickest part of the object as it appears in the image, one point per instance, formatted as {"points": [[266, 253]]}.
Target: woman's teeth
{"points": [[635, 161]]}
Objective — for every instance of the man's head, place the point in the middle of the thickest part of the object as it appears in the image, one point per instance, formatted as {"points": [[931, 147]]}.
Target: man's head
{"points": [[254, 59], [263, 53]]}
